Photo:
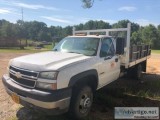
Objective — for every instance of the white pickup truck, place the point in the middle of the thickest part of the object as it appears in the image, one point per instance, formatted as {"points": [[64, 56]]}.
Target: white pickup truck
{"points": [[65, 79]]}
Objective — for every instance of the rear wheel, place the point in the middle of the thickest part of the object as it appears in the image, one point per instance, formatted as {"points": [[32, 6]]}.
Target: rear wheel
{"points": [[81, 102], [135, 72], [138, 72]]}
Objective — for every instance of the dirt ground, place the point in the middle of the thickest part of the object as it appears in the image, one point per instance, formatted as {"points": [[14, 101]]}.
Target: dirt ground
{"points": [[153, 64], [8, 108]]}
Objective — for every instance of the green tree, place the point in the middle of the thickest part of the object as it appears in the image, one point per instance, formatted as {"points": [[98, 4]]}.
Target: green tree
{"points": [[67, 31], [34, 28], [79, 27], [44, 36], [8, 30], [39, 31], [92, 25], [136, 37], [150, 35]]}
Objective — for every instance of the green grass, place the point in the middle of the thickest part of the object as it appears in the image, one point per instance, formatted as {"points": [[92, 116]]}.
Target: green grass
{"points": [[26, 49], [48, 47], [148, 89], [19, 51], [156, 51]]}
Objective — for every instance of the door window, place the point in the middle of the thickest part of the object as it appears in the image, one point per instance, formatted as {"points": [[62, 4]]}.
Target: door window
{"points": [[107, 48]]}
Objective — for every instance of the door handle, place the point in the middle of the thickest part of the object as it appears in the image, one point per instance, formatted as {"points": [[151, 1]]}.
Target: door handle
{"points": [[116, 60], [108, 57]]}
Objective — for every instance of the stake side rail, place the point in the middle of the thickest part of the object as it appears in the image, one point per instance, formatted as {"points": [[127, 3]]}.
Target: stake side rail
{"points": [[100, 30]]}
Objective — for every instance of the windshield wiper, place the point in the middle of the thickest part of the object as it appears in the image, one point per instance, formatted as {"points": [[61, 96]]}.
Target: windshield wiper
{"points": [[54, 50]]}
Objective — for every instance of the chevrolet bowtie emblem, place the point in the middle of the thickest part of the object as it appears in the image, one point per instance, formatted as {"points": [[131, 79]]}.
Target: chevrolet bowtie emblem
{"points": [[18, 75]]}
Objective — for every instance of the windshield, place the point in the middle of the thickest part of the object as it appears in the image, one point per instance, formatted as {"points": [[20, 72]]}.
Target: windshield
{"points": [[80, 45]]}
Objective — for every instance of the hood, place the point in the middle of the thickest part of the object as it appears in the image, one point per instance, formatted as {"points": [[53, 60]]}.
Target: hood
{"points": [[48, 60]]}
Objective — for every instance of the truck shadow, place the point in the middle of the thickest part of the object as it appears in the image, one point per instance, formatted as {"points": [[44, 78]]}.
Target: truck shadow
{"points": [[138, 90], [123, 92], [28, 114], [126, 92]]}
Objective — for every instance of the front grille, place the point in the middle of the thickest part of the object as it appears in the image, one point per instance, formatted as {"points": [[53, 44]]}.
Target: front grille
{"points": [[23, 81], [24, 72], [25, 78]]}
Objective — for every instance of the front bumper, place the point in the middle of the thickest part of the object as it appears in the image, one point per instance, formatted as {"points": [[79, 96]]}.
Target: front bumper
{"points": [[50, 101]]}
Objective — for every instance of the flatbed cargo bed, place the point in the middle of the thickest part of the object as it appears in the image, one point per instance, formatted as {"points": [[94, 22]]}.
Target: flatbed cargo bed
{"points": [[139, 53]]}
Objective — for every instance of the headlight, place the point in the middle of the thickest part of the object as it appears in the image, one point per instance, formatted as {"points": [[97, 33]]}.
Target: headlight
{"points": [[50, 86], [48, 75], [47, 80]]}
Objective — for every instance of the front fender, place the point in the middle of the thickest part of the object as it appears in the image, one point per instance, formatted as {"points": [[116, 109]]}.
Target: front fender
{"points": [[84, 74]]}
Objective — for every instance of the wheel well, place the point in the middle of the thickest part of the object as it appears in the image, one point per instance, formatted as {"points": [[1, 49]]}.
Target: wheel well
{"points": [[90, 80], [133, 71]]}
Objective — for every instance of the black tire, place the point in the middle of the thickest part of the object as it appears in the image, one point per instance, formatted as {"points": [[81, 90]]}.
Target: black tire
{"points": [[138, 72], [130, 73], [81, 102], [135, 72]]}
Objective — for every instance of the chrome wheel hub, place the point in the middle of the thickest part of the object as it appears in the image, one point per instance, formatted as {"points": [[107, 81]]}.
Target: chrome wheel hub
{"points": [[85, 103]]}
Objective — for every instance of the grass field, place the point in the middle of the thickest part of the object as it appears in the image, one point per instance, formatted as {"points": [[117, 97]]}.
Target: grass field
{"points": [[26, 49], [156, 51]]}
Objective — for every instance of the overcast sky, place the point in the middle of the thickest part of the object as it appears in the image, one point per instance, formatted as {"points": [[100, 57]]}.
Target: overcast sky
{"points": [[71, 12]]}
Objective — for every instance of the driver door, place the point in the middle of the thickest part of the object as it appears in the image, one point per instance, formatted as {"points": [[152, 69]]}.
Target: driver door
{"points": [[109, 67]]}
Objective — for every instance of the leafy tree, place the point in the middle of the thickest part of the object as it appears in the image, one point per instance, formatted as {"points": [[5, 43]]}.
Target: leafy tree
{"points": [[92, 25], [34, 28], [44, 36], [8, 33], [123, 24], [8, 30], [67, 31], [150, 35], [80, 26], [103, 25], [136, 37], [158, 27], [38, 31]]}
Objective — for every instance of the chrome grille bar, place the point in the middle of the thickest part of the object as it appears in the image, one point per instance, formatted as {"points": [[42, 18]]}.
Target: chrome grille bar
{"points": [[27, 78]]}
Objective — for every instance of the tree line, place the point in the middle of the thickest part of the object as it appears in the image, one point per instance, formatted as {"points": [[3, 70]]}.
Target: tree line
{"points": [[39, 31]]}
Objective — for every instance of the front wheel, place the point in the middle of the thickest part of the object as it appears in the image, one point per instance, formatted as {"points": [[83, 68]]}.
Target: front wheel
{"points": [[81, 102]]}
